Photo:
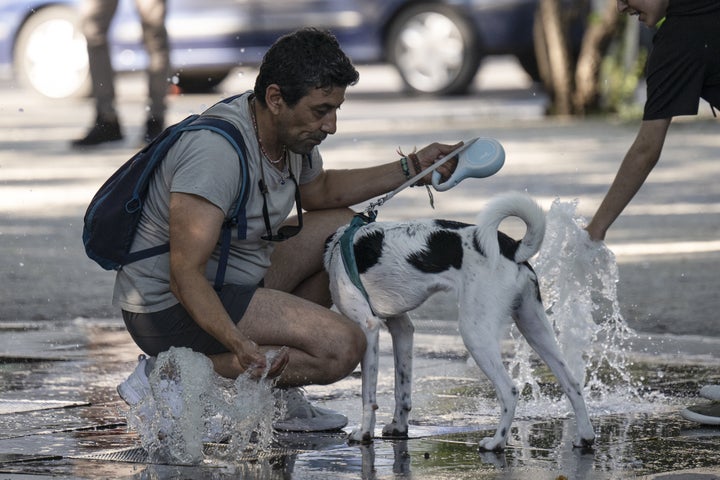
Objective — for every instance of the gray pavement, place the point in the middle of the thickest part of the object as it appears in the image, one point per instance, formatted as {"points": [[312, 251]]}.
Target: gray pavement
{"points": [[63, 348]]}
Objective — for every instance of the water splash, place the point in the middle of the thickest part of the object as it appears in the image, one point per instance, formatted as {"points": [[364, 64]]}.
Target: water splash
{"points": [[578, 280], [191, 406]]}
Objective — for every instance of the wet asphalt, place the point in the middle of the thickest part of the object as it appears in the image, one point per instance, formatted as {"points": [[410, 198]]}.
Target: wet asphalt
{"points": [[63, 348]]}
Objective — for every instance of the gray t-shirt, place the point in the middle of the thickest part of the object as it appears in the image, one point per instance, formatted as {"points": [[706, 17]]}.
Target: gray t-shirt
{"points": [[203, 163]]}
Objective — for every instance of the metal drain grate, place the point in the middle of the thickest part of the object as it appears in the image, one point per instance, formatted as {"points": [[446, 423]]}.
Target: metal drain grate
{"points": [[271, 453], [130, 455], [139, 455], [19, 406], [7, 458]]}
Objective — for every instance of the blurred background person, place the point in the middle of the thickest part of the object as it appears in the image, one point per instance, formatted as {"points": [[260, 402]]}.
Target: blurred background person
{"points": [[97, 16]]}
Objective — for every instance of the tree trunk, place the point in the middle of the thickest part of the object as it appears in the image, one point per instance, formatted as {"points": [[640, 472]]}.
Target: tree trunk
{"points": [[553, 55], [597, 37]]}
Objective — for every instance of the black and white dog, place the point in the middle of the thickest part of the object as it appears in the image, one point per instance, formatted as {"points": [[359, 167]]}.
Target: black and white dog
{"points": [[400, 265]]}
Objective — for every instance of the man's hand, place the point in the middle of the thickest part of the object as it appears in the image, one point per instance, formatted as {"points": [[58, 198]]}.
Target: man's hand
{"points": [[435, 151], [253, 361]]}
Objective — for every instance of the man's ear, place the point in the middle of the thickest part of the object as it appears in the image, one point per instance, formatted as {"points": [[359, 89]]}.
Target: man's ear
{"points": [[273, 98]]}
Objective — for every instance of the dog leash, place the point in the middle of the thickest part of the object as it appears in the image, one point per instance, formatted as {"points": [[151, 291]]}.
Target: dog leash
{"points": [[368, 216], [374, 206], [488, 158]]}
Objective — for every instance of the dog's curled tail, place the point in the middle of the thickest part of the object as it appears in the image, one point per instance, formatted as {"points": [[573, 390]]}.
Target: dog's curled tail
{"points": [[513, 204]]}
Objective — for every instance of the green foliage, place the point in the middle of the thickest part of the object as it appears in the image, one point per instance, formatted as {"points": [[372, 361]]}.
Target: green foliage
{"points": [[619, 80]]}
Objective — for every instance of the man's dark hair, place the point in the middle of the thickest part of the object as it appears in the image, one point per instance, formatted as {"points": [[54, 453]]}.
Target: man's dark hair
{"points": [[303, 60]]}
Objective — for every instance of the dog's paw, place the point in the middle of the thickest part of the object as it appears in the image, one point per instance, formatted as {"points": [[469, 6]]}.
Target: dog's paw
{"points": [[492, 444], [359, 436], [392, 430]]}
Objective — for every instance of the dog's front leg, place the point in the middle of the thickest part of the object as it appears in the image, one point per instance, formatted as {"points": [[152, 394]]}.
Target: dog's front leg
{"points": [[401, 330], [369, 367]]}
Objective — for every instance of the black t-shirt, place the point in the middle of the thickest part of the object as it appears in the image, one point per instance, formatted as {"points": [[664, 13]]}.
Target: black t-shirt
{"points": [[684, 65], [692, 7]]}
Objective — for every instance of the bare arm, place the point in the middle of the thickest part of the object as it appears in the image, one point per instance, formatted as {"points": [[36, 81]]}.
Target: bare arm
{"points": [[344, 188], [635, 168], [194, 230]]}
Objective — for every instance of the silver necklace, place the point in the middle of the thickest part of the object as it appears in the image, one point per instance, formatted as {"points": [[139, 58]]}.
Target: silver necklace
{"points": [[257, 137]]}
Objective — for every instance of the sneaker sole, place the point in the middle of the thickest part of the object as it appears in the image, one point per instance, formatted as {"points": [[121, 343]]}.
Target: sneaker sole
{"points": [[328, 423], [706, 414]]}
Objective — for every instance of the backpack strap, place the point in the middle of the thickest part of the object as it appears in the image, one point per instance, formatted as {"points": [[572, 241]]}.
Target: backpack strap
{"points": [[160, 147], [237, 217]]}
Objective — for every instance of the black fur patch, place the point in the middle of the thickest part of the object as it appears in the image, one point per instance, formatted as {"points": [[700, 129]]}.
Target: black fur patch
{"points": [[535, 283], [368, 250], [444, 250], [451, 224], [477, 247], [508, 246]]}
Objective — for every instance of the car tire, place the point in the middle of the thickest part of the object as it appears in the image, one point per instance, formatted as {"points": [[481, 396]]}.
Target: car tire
{"points": [[50, 55], [434, 49]]}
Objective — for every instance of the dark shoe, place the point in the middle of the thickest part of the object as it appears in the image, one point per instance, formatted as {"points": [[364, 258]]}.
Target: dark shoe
{"points": [[102, 132], [153, 128]]}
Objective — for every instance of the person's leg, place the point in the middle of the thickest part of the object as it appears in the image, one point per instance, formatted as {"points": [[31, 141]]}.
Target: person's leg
{"points": [[297, 263], [155, 38], [292, 310], [324, 346], [97, 16]]}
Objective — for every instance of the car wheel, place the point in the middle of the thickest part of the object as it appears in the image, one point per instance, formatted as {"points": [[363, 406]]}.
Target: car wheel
{"points": [[200, 82], [50, 54], [434, 49]]}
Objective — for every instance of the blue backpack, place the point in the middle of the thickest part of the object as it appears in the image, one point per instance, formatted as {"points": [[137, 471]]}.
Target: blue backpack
{"points": [[112, 217]]}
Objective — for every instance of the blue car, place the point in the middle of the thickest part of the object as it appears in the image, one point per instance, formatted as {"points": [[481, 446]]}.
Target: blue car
{"points": [[436, 45]]}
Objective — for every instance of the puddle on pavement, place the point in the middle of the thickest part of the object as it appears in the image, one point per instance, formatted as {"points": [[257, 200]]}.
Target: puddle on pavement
{"points": [[628, 445], [633, 406], [642, 439]]}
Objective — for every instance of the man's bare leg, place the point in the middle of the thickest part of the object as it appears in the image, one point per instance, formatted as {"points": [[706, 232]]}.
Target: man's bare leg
{"points": [[324, 345]]}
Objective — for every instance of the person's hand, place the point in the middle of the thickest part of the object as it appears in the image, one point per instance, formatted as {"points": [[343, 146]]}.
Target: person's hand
{"points": [[253, 361], [596, 234], [428, 155], [278, 361]]}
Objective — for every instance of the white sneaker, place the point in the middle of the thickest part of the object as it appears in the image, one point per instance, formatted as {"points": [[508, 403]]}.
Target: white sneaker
{"points": [[137, 385], [711, 392], [302, 416], [707, 414]]}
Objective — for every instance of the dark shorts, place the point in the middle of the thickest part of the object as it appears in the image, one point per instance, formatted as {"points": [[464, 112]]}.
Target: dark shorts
{"points": [[174, 327], [684, 67]]}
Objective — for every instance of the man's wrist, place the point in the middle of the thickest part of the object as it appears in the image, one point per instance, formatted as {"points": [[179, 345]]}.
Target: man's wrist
{"points": [[404, 166], [416, 166]]}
